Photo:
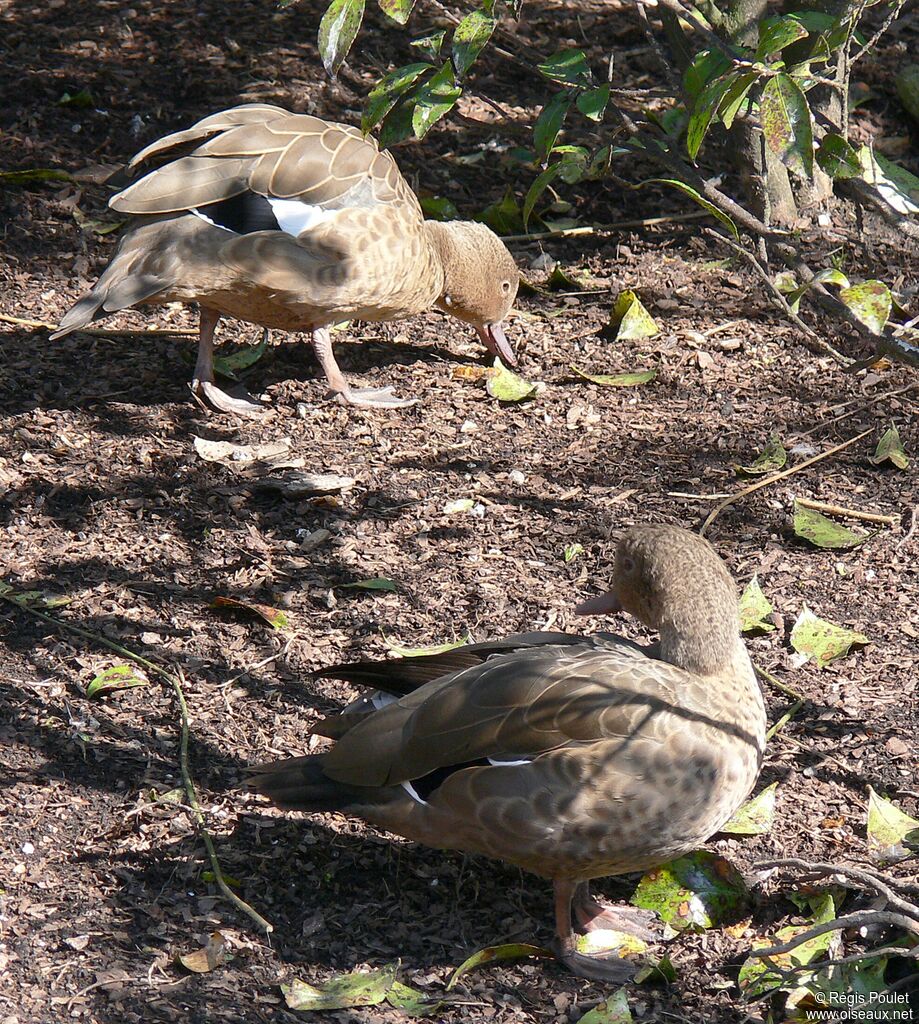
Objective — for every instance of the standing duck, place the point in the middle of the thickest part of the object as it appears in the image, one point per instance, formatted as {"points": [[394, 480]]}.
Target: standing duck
{"points": [[296, 223], [573, 757]]}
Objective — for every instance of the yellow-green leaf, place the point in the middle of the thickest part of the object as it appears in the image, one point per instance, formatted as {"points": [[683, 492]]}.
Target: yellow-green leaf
{"points": [[756, 816], [755, 609], [507, 386], [572, 551], [273, 616], [870, 301], [821, 640], [117, 677], [422, 652], [697, 891], [630, 318], [231, 364], [342, 992], [509, 951], [613, 1010], [772, 458], [374, 583], [412, 1002], [824, 532], [617, 380], [890, 449], [892, 834]]}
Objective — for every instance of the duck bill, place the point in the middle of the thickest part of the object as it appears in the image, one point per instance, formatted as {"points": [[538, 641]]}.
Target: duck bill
{"points": [[493, 339], [603, 604]]}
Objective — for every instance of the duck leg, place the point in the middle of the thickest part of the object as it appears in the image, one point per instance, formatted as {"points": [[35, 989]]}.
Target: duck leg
{"points": [[379, 398], [203, 389], [591, 915], [599, 967]]}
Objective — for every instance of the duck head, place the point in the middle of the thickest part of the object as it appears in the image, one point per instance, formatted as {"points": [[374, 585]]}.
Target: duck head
{"points": [[480, 280], [674, 582]]}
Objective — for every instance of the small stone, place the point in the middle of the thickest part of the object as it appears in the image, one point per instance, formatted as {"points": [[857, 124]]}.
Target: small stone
{"points": [[543, 262], [28, 849], [516, 477]]}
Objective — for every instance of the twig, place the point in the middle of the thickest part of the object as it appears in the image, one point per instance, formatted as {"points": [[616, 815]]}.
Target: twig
{"points": [[785, 719], [820, 869], [778, 476], [892, 16], [850, 513], [856, 920], [97, 332], [176, 683], [672, 80], [619, 225], [862, 405], [780, 686], [912, 529]]}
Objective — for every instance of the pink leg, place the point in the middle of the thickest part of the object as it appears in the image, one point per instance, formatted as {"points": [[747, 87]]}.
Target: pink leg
{"points": [[203, 389], [379, 398]]}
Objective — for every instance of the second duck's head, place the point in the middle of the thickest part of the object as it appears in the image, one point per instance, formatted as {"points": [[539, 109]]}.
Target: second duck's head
{"points": [[480, 280], [674, 582]]}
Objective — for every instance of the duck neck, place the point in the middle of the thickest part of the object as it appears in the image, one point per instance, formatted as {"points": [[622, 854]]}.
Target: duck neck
{"points": [[447, 257], [717, 651]]}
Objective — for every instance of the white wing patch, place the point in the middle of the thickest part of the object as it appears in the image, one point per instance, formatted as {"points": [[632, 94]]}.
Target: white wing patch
{"points": [[213, 223], [296, 217], [506, 764]]}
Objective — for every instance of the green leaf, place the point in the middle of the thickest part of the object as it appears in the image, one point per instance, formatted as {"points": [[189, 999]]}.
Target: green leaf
{"points": [[384, 95], [631, 320], [81, 100], [337, 31], [704, 110], [755, 609], [397, 124], [507, 386], [613, 1010], [424, 652], [657, 972], [895, 185], [412, 1002], [273, 616], [430, 44], [697, 891], [688, 190], [549, 124], [890, 448], [567, 67], [592, 102], [870, 301], [892, 834], [572, 551], [505, 216], [398, 10], [491, 954], [438, 208], [756, 816], [757, 977], [118, 677], [838, 158], [735, 97], [769, 460], [536, 190], [435, 98], [342, 992], [775, 33], [470, 35], [39, 174], [831, 276], [706, 67], [233, 363], [821, 640], [617, 380], [786, 121], [373, 583], [824, 532]]}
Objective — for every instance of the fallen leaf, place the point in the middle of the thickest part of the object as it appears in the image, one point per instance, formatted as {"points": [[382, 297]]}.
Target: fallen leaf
{"points": [[892, 834], [697, 891], [821, 640], [608, 941], [771, 459], [890, 449], [341, 992], [507, 386], [423, 652], [412, 1002], [459, 505], [613, 1010], [572, 551], [870, 301], [823, 532], [374, 583], [241, 359], [273, 616], [617, 380], [631, 320], [510, 951], [756, 816], [204, 960], [239, 454], [657, 971], [755, 609], [117, 677]]}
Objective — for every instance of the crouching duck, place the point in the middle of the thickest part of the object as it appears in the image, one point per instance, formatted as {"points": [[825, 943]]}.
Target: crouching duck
{"points": [[296, 223], [570, 756]]}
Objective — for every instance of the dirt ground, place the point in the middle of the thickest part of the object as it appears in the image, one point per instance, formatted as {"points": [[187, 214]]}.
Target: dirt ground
{"points": [[104, 501]]}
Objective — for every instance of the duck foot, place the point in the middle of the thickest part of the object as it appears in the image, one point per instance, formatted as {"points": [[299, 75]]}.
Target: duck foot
{"points": [[597, 968], [209, 396], [591, 915], [374, 398]]}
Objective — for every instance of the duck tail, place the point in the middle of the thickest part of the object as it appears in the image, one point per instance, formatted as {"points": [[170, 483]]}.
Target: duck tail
{"points": [[299, 784]]}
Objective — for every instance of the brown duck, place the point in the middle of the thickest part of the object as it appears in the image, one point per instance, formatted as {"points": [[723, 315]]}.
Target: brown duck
{"points": [[296, 223], [570, 756]]}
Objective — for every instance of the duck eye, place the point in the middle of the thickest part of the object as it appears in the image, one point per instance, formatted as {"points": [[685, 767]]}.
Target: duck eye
{"points": [[505, 286], [627, 564]]}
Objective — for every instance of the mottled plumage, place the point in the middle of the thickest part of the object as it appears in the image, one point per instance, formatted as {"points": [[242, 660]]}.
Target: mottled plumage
{"points": [[295, 223], [612, 758]]}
